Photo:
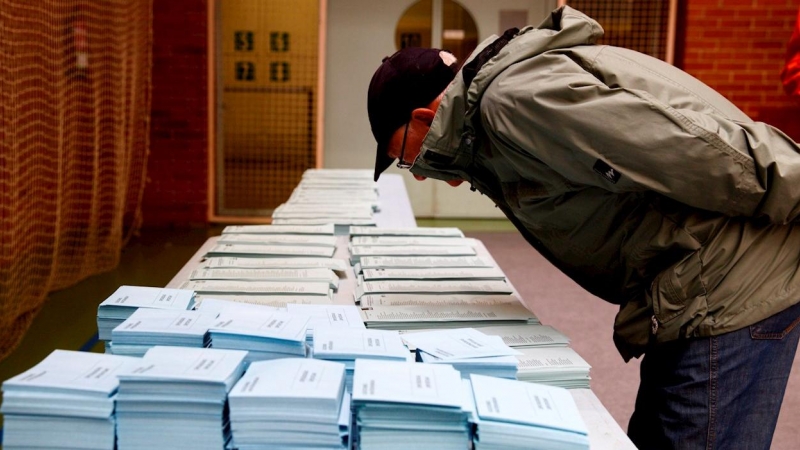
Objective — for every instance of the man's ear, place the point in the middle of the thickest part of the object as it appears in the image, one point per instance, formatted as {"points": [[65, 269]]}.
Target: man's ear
{"points": [[424, 115]]}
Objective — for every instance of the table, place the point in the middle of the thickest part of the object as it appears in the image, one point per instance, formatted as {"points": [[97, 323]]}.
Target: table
{"points": [[604, 432]]}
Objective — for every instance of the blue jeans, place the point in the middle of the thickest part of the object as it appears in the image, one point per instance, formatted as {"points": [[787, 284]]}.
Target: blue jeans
{"points": [[722, 392]]}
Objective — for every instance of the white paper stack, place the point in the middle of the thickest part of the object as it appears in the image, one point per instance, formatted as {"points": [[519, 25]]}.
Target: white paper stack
{"points": [[278, 239], [469, 287], [468, 350], [525, 336], [289, 403], [345, 345], [148, 327], [337, 265], [66, 402], [273, 275], [446, 316], [407, 405], [275, 301], [126, 299], [511, 415], [368, 301], [328, 316], [233, 287], [416, 231], [422, 262], [263, 334], [559, 366], [269, 251], [321, 230], [450, 273], [176, 398], [358, 252]]}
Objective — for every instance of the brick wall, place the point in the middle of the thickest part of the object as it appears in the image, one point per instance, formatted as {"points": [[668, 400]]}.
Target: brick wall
{"points": [[177, 170], [738, 47]]}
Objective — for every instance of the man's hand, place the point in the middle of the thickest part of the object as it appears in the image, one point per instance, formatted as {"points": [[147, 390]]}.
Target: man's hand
{"points": [[453, 183]]}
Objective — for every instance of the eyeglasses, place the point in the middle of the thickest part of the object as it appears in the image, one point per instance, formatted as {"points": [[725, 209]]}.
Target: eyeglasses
{"points": [[401, 164]]}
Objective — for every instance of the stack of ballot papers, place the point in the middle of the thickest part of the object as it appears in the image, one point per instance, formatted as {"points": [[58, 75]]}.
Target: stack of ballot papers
{"points": [[270, 251], [176, 398], [328, 316], [468, 350], [446, 316], [273, 275], [408, 405], [247, 287], [422, 262], [368, 301], [66, 401], [148, 327], [345, 345], [361, 251], [126, 299], [511, 415], [526, 336], [266, 334], [290, 403], [470, 287], [319, 230], [229, 262], [453, 273], [278, 239], [557, 366], [416, 231]]}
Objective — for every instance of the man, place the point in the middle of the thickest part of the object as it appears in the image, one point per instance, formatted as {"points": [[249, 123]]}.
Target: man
{"points": [[646, 187]]}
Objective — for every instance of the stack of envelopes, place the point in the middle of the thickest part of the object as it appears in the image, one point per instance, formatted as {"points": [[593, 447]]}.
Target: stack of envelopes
{"points": [[468, 350], [556, 366], [512, 415], [147, 328], [66, 401], [290, 403], [266, 334], [328, 316], [407, 405], [125, 300], [345, 345], [176, 398]]}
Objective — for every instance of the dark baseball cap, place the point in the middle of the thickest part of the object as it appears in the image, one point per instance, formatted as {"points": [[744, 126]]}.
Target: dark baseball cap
{"points": [[410, 79]]}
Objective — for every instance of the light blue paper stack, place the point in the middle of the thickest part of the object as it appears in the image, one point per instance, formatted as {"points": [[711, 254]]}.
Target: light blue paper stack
{"points": [[328, 316], [345, 345], [147, 328], [126, 299], [514, 415], [64, 402], [468, 350], [407, 405], [264, 334], [290, 403], [176, 398]]}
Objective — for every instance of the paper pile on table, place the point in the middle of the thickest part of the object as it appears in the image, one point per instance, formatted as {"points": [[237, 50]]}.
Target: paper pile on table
{"points": [[66, 401], [291, 403], [511, 415], [558, 366], [262, 332], [328, 316], [148, 327], [176, 398], [126, 299], [400, 405]]}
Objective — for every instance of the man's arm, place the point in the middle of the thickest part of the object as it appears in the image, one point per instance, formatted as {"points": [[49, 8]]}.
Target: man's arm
{"points": [[553, 110]]}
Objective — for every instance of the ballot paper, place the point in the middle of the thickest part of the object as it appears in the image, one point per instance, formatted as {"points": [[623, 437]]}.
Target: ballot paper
{"points": [[214, 306], [258, 287], [286, 211], [291, 402], [432, 287], [367, 301], [522, 336], [395, 402], [337, 265], [422, 241], [558, 366], [336, 221], [434, 317], [278, 239], [459, 343], [416, 231], [126, 299], [347, 174], [279, 229], [357, 252], [64, 401], [465, 273], [264, 334], [270, 251], [493, 366], [147, 328], [275, 301], [176, 398], [419, 262], [512, 415], [291, 275]]}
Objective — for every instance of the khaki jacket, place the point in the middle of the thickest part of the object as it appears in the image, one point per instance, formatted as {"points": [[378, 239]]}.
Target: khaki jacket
{"points": [[642, 184]]}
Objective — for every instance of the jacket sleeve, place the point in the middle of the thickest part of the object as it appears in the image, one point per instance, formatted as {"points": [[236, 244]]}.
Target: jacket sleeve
{"points": [[790, 76], [550, 109]]}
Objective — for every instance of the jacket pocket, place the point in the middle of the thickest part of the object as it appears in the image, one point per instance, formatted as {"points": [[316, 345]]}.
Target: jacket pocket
{"points": [[678, 288], [778, 325]]}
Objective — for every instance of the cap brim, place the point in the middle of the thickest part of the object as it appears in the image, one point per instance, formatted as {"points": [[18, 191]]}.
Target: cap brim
{"points": [[382, 161]]}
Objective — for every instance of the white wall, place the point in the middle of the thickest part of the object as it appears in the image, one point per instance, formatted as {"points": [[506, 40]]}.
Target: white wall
{"points": [[359, 34]]}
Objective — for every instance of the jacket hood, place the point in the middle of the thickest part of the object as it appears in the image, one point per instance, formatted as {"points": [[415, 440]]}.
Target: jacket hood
{"points": [[452, 132]]}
